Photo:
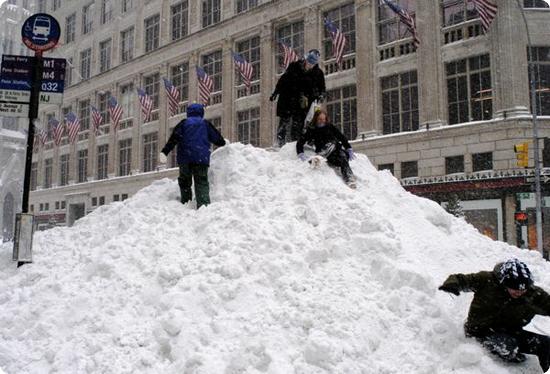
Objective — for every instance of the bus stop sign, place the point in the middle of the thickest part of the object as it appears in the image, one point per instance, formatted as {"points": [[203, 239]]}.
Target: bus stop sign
{"points": [[40, 32]]}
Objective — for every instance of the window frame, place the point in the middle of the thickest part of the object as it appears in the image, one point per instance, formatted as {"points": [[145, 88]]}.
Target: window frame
{"points": [[248, 126], [211, 11], [102, 161], [179, 20], [105, 54], [150, 152], [398, 88], [345, 24], [339, 102], [151, 33]]}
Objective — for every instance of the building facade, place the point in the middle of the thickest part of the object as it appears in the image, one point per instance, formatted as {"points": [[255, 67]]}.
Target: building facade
{"points": [[443, 118], [12, 138]]}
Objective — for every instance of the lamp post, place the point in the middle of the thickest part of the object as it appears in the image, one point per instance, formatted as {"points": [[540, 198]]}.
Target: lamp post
{"points": [[536, 145]]}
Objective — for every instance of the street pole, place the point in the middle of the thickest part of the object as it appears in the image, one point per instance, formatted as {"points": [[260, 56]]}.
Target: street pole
{"points": [[536, 145]]}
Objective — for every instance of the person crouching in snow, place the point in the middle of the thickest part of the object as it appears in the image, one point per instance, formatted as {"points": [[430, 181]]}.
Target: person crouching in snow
{"points": [[193, 136], [330, 143], [505, 300]]}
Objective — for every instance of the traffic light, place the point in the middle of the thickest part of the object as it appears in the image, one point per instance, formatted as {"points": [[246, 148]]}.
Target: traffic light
{"points": [[522, 154]]}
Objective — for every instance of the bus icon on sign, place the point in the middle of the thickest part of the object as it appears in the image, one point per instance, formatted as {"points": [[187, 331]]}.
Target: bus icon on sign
{"points": [[41, 28]]}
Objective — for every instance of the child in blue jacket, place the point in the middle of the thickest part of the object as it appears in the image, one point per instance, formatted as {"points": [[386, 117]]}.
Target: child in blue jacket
{"points": [[193, 136]]}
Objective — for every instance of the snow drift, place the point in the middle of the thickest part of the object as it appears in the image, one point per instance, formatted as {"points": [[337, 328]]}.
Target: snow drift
{"points": [[287, 271]]}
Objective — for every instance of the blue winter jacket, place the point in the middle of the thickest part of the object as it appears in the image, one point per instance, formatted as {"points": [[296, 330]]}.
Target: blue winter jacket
{"points": [[193, 136]]}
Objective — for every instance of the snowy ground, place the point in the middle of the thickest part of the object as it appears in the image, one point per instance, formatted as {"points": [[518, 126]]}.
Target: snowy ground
{"points": [[288, 271]]}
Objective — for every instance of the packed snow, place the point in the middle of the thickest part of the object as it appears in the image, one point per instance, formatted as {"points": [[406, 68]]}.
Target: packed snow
{"points": [[287, 271]]}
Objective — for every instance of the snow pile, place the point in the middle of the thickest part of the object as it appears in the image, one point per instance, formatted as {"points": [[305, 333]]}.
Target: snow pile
{"points": [[287, 271]]}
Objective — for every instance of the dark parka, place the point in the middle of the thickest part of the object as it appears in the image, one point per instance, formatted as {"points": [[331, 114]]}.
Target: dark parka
{"points": [[492, 307], [314, 84], [289, 88], [321, 136]]}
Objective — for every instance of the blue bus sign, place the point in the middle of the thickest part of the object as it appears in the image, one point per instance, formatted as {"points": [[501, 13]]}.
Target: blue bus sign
{"points": [[40, 32]]}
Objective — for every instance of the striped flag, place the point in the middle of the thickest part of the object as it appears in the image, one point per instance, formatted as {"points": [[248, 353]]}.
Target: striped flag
{"points": [[205, 85], [245, 68], [97, 119], [58, 130], [173, 97], [146, 104], [115, 112], [288, 54], [73, 126], [338, 41], [487, 11], [42, 134], [406, 18]]}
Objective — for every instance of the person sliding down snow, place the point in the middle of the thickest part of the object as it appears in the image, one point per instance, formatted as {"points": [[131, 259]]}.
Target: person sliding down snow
{"points": [[505, 300], [330, 143], [193, 137]]}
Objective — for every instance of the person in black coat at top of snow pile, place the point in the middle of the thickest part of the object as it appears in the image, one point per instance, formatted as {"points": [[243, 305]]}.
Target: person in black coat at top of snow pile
{"points": [[314, 78], [505, 300], [193, 136], [330, 143]]}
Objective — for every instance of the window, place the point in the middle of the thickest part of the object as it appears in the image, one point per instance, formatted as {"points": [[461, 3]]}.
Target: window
{"points": [[69, 72], [458, 11], [250, 50], [85, 63], [409, 169], [344, 18], [32, 208], [70, 28], [101, 200], [47, 206], [48, 173], [127, 5], [386, 167], [41, 6], [212, 64], [127, 45], [82, 166], [400, 102], [248, 126], [126, 100], [180, 19], [87, 18], [482, 161], [105, 55], [106, 11], [102, 161], [293, 36], [541, 63], [152, 27], [55, 5], [125, 157], [535, 4], [64, 170], [390, 27], [211, 12], [84, 114], [56, 205], [103, 107], [116, 197], [244, 5], [124, 196], [469, 93], [63, 204], [151, 86], [34, 175], [179, 75], [342, 109], [454, 164], [94, 201], [41, 207], [150, 152]]}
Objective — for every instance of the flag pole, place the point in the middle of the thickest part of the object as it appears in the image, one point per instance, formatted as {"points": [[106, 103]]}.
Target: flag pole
{"points": [[536, 145]]}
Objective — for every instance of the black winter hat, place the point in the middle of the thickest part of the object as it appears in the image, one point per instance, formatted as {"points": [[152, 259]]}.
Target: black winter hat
{"points": [[515, 274]]}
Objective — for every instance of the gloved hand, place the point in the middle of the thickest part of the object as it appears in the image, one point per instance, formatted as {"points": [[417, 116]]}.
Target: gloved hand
{"points": [[273, 97], [450, 289], [351, 155], [303, 102], [302, 156], [162, 158]]}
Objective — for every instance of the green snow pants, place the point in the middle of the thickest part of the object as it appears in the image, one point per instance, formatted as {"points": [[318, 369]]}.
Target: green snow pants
{"points": [[199, 174]]}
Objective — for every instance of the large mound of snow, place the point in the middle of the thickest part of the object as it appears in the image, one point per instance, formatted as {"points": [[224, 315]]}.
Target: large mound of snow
{"points": [[287, 271]]}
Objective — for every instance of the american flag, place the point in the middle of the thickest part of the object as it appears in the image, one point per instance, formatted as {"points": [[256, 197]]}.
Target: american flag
{"points": [[288, 54], [205, 85], [42, 134], [115, 112], [245, 68], [73, 126], [57, 129], [173, 96], [146, 104], [487, 11], [406, 19], [97, 119], [338, 41]]}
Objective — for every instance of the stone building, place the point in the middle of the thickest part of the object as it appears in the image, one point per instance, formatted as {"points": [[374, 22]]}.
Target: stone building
{"points": [[443, 118]]}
